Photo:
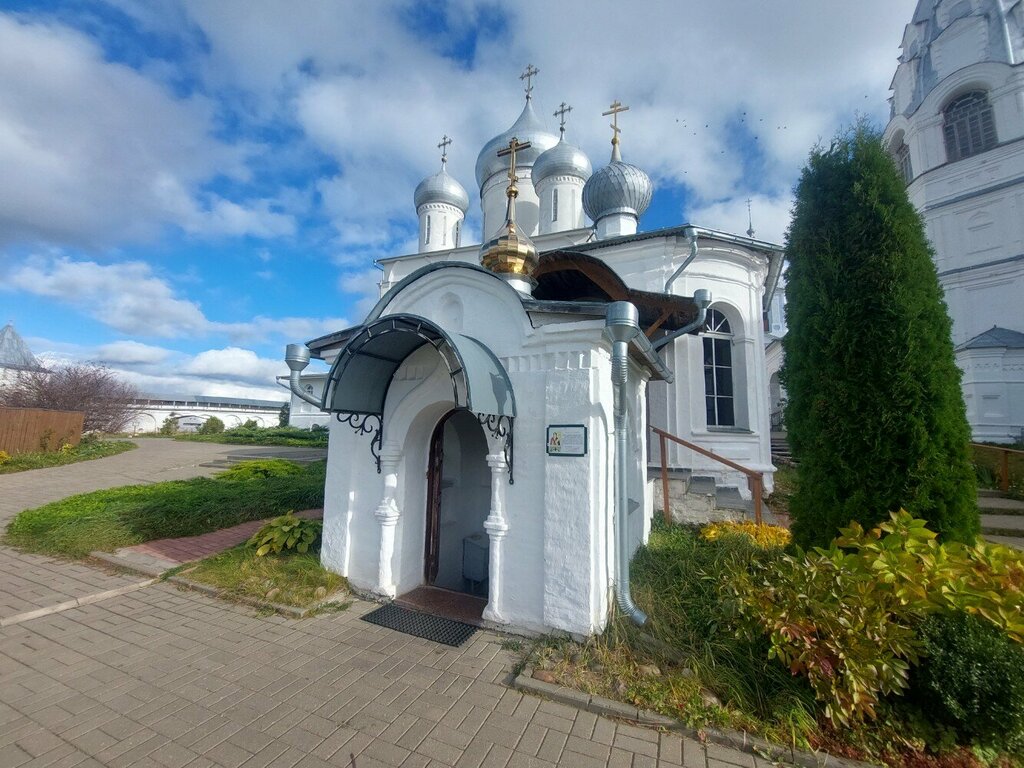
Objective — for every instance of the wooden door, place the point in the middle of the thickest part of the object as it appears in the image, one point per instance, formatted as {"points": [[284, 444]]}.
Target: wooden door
{"points": [[435, 465]]}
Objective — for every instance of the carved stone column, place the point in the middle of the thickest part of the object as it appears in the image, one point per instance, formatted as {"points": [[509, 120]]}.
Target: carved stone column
{"points": [[496, 526], [388, 515]]}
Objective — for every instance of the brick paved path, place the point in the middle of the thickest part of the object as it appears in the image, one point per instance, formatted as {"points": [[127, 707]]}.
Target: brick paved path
{"points": [[162, 678], [184, 549], [28, 582]]}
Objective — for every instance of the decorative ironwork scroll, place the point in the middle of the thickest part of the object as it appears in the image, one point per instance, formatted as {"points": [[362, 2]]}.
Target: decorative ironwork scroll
{"points": [[500, 428], [360, 422]]}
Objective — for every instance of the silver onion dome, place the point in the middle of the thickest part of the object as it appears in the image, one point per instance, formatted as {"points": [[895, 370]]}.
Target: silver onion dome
{"points": [[563, 159], [528, 128], [617, 188], [441, 188]]}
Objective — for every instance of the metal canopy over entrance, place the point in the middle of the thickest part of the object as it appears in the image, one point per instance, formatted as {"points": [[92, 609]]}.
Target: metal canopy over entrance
{"points": [[361, 375], [358, 382]]}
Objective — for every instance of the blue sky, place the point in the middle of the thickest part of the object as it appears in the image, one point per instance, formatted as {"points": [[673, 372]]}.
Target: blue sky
{"points": [[187, 186]]}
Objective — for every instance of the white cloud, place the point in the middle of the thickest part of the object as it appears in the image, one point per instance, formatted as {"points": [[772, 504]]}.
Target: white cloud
{"points": [[229, 372], [769, 215], [131, 298], [236, 364], [130, 353], [94, 152], [702, 84]]}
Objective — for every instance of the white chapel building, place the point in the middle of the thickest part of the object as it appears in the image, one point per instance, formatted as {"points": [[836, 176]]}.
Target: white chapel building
{"points": [[490, 416], [957, 134]]}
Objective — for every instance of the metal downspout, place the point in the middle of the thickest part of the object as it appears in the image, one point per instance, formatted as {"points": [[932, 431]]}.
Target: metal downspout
{"points": [[297, 357], [702, 297], [691, 235], [621, 326]]}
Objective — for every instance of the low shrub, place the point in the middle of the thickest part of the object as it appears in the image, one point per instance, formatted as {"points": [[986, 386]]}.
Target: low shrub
{"points": [[247, 470], [245, 435], [761, 535], [212, 426], [119, 517], [286, 533], [971, 681], [845, 616], [4, 457]]}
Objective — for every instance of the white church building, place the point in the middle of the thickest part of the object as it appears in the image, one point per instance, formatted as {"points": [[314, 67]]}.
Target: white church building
{"points": [[490, 415], [957, 133]]}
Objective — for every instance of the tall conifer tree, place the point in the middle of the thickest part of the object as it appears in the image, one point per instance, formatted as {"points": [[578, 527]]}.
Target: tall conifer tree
{"points": [[875, 415]]}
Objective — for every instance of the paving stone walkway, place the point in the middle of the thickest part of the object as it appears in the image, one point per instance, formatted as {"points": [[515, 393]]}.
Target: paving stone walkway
{"points": [[162, 678], [29, 582]]}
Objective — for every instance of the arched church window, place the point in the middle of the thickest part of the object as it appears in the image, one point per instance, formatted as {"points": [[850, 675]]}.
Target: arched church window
{"points": [[554, 204], [458, 233], [968, 126], [426, 237], [718, 378], [902, 157]]}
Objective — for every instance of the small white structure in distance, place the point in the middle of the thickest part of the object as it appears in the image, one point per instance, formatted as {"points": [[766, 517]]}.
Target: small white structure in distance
{"points": [[191, 411]]}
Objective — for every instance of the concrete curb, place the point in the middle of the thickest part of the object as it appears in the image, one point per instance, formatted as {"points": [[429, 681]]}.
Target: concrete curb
{"points": [[77, 602], [740, 740], [288, 611]]}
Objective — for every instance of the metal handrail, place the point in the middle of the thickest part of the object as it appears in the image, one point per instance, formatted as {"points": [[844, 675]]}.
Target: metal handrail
{"points": [[755, 479], [1004, 474]]}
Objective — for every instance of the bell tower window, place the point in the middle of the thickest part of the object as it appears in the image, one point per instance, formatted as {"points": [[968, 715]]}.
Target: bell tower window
{"points": [[902, 157], [426, 236], [554, 204], [968, 126]]}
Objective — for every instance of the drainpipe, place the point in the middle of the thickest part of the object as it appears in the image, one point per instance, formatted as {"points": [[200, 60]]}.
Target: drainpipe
{"points": [[691, 235], [297, 357], [702, 298], [621, 326]]}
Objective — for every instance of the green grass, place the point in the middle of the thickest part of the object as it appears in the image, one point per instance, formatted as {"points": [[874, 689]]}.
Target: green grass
{"points": [[291, 579], [86, 451], [691, 642], [119, 517], [290, 436], [785, 487]]}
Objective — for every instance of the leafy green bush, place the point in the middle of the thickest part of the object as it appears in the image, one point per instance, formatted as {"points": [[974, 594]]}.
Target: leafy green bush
{"points": [[247, 470], [212, 426], [845, 616], [971, 680], [286, 532], [875, 414]]}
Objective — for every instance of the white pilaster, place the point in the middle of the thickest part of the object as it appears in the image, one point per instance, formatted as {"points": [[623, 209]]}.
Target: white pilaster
{"points": [[388, 514], [497, 528]]}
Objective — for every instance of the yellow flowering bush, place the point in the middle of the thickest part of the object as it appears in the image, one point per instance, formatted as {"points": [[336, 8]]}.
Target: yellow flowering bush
{"points": [[67, 448], [763, 535], [4, 457]]}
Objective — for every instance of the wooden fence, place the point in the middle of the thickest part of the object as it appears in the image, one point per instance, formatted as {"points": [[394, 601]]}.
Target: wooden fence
{"points": [[25, 430]]}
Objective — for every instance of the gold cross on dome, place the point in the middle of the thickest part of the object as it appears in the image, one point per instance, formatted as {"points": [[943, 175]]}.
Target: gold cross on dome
{"points": [[614, 110], [443, 146], [513, 146], [528, 77], [560, 113]]}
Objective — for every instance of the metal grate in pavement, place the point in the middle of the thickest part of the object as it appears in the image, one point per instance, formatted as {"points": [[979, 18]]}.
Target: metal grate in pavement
{"points": [[435, 628]]}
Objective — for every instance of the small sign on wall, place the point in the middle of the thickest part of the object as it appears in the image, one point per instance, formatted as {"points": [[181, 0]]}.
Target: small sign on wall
{"points": [[567, 440]]}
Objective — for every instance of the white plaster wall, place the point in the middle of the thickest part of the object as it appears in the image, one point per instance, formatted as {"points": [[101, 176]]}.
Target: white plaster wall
{"points": [[993, 386], [735, 276], [445, 227], [570, 204], [146, 417], [559, 510], [305, 415], [494, 203], [973, 211]]}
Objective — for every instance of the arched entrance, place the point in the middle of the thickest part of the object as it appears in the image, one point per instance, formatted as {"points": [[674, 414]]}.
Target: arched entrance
{"points": [[458, 496]]}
